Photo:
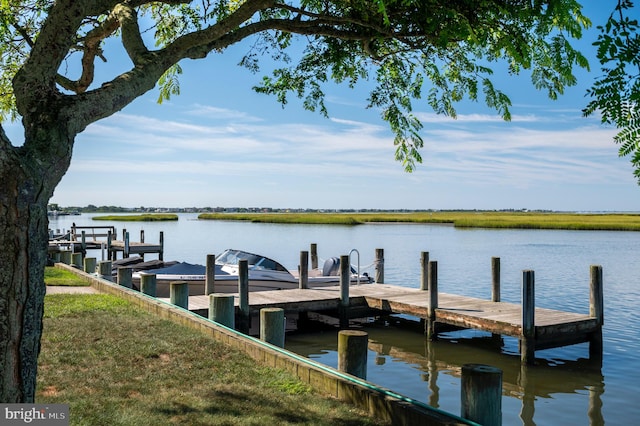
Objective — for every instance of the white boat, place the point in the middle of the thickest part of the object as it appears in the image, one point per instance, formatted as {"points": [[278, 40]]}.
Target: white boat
{"points": [[264, 274]]}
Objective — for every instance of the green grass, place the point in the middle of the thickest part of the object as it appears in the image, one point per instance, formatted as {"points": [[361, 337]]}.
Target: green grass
{"points": [[56, 276], [460, 219], [115, 364], [139, 217]]}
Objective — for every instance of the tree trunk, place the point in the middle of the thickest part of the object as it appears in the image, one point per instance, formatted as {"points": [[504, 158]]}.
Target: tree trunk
{"points": [[26, 185]]}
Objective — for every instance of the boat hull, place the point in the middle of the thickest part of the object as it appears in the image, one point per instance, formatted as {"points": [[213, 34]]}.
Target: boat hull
{"points": [[197, 284]]}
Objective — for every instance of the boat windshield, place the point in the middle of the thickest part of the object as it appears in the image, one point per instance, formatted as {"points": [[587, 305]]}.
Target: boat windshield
{"points": [[231, 257]]}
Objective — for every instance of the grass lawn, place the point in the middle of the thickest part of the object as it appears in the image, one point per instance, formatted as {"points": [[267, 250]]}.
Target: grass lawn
{"points": [[56, 276], [115, 364]]}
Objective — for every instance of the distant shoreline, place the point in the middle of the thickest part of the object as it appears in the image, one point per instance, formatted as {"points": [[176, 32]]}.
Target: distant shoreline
{"points": [[459, 219]]}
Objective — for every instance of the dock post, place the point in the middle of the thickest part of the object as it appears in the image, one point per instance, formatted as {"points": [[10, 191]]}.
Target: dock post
{"points": [[148, 284], [109, 239], [424, 270], [104, 270], [124, 277], [345, 279], [379, 262], [210, 277], [303, 281], [432, 300], [527, 340], [65, 257], [314, 256], [161, 254], [76, 260], [272, 326], [179, 294], [83, 242], [244, 320], [481, 394], [222, 309], [125, 254], [596, 310], [89, 265], [142, 241], [495, 279], [352, 352]]}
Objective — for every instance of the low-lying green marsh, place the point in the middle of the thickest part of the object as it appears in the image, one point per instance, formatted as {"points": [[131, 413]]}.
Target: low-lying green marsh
{"points": [[155, 217], [462, 219]]}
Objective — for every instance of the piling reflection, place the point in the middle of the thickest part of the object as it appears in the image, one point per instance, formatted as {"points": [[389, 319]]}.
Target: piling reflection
{"points": [[441, 360]]}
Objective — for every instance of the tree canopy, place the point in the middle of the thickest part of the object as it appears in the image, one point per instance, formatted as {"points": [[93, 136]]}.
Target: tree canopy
{"points": [[616, 93], [434, 51]]}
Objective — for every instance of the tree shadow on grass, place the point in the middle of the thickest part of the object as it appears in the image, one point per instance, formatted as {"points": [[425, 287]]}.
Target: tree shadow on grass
{"points": [[229, 407]]}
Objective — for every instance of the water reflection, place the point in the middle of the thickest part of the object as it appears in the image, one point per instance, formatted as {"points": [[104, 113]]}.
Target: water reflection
{"points": [[398, 354]]}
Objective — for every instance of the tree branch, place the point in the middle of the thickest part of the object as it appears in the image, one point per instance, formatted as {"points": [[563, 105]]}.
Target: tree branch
{"points": [[131, 37]]}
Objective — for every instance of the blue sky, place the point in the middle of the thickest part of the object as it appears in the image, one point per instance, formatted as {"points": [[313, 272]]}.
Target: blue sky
{"points": [[221, 144]]}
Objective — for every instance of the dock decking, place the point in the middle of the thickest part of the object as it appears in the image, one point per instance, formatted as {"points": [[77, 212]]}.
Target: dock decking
{"points": [[551, 328]]}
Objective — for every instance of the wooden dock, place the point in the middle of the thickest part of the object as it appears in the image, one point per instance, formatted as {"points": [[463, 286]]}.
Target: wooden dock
{"points": [[551, 328], [85, 238]]}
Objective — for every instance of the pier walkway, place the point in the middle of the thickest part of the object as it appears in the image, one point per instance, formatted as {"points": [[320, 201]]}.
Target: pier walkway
{"points": [[536, 328]]}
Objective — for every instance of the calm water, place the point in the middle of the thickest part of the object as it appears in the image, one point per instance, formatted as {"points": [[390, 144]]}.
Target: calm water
{"points": [[565, 387]]}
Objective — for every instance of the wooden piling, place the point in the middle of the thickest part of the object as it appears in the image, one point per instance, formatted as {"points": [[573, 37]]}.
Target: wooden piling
{"points": [[352, 352], [179, 294], [495, 279], [424, 274], [345, 281], [65, 257], [596, 310], [111, 255], [222, 309], [379, 266], [481, 394], [527, 341], [83, 241], [142, 241], [104, 270], [314, 256], [303, 281], [432, 300], [124, 277], [272, 326], [127, 247], [210, 277], [161, 253], [76, 260], [90, 265], [244, 318], [596, 298], [148, 284]]}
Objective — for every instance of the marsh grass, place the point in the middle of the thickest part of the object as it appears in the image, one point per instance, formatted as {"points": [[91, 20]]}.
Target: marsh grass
{"points": [[464, 219], [117, 365], [139, 217], [61, 277]]}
